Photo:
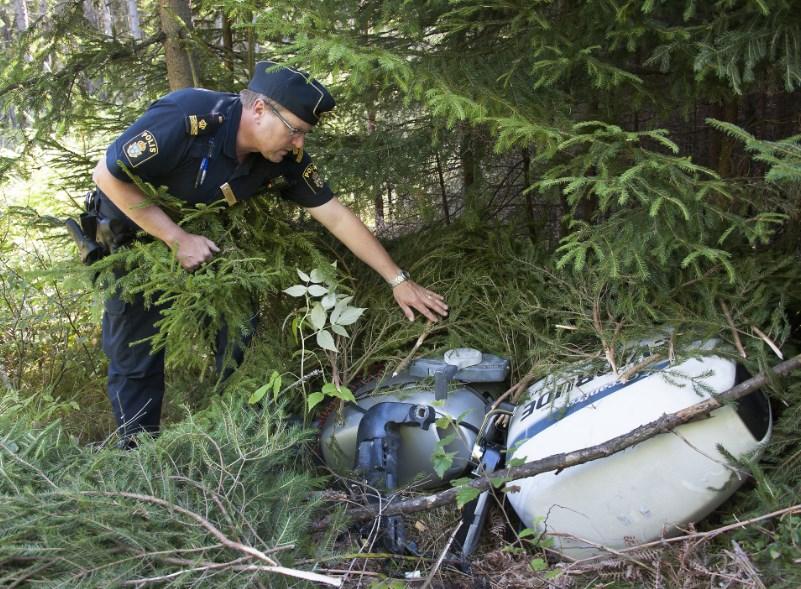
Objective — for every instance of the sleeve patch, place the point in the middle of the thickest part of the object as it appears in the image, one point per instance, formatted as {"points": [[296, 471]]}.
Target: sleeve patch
{"points": [[141, 148], [312, 178]]}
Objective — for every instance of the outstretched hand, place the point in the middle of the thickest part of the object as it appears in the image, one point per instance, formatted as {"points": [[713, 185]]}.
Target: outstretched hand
{"points": [[410, 295], [192, 250]]}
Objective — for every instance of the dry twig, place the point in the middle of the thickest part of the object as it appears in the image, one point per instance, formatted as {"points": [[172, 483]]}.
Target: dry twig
{"points": [[442, 554], [429, 326], [768, 341], [734, 333], [639, 366], [272, 565]]}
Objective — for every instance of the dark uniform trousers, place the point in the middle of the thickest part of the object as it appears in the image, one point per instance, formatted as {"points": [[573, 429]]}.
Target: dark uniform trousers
{"points": [[135, 374]]}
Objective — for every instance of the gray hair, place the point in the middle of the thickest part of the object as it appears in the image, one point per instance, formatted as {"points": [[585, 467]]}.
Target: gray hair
{"points": [[249, 98]]}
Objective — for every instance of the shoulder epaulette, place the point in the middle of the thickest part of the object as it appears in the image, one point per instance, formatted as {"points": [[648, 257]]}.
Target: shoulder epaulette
{"points": [[203, 124]]}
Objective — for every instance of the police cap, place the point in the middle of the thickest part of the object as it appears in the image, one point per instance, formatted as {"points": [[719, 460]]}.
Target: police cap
{"points": [[296, 91]]}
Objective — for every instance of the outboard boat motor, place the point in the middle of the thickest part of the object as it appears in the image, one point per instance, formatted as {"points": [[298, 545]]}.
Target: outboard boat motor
{"points": [[378, 443], [388, 437], [460, 394]]}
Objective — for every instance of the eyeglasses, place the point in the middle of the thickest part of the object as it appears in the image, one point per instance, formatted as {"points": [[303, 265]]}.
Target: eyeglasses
{"points": [[293, 131]]}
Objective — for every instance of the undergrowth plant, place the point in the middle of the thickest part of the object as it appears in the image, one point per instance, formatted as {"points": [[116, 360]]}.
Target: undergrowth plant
{"points": [[223, 498], [326, 313]]}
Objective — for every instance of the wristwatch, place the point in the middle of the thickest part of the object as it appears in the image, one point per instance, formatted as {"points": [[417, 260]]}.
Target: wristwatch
{"points": [[402, 276]]}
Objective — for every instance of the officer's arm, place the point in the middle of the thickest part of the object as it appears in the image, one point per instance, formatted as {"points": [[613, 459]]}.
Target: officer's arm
{"points": [[350, 230], [190, 250]]}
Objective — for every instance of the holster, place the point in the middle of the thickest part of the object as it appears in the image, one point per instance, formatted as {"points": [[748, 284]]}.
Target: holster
{"points": [[102, 230]]}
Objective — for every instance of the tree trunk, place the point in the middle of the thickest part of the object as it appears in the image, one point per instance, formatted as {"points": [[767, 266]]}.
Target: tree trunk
{"points": [[529, 202], [89, 12], [727, 143], [441, 176], [378, 199], [7, 20], [250, 42], [468, 156], [134, 24], [23, 20], [228, 43], [105, 18], [47, 62], [176, 20]]}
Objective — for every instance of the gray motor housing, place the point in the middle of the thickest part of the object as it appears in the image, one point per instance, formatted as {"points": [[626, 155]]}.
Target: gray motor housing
{"points": [[491, 369], [465, 404]]}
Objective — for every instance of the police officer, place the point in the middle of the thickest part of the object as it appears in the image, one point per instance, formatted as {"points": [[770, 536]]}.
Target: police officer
{"points": [[204, 146]]}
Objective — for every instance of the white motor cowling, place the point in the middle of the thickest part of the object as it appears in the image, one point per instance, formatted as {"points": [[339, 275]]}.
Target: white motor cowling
{"points": [[647, 491]]}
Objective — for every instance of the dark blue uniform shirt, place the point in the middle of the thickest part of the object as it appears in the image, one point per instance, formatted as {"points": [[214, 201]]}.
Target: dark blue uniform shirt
{"points": [[160, 148]]}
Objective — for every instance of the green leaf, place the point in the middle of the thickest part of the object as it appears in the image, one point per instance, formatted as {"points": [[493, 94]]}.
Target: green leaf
{"points": [[329, 300], [314, 399], [442, 461], [329, 389], [303, 276], [515, 462], [297, 290], [317, 290], [345, 394], [465, 495], [339, 330], [526, 532], [553, 574], [443, 422], [318, 316], [325, 340], [350, 315], [538, 564], [317, 276], [258, 394], [276, 380], [339, 308]]}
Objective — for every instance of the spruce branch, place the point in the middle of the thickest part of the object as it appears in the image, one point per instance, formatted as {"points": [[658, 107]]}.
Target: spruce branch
{"points": [[272, 565]]}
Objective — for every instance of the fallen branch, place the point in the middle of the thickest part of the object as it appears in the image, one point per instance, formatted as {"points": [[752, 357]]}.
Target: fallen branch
{"points": [[272, 565], [560, 461]]}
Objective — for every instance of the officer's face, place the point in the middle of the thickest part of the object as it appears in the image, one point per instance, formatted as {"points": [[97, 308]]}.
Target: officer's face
{"points": [[278, 131]]}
